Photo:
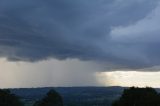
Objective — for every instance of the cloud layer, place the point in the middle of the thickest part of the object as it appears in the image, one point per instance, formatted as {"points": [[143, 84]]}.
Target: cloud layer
{"points": [[120, 33]]}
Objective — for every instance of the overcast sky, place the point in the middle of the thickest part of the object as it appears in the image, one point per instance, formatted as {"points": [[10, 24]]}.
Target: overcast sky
{"points": [[79, 42]]}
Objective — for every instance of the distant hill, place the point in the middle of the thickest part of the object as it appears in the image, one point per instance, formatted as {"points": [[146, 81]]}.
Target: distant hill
{"points": [[73, 96]]}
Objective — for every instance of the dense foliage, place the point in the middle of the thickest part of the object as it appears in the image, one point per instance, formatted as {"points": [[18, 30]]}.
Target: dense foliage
{"points": [[52, 99], [138, 97], [8, 99]]}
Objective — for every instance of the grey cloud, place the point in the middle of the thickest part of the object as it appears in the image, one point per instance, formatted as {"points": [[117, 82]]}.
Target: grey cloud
{"points": [[35, 30]]}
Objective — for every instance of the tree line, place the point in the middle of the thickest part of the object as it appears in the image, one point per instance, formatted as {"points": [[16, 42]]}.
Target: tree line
{"points": [[133, 96], [52, 98]]}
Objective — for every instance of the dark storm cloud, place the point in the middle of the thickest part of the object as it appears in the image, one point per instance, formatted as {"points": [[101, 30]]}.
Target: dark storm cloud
{"points": [[35, 30]]}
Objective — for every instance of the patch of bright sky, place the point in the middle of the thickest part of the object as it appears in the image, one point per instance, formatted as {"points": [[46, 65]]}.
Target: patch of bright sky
{"points": [[129, 78]]}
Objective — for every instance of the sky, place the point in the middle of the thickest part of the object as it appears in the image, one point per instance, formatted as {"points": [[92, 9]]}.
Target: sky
{"points": [[79, 43]]}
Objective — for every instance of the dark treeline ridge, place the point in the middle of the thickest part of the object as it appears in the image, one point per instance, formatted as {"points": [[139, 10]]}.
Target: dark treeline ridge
{"points": [[135, 96], [52, 98]]}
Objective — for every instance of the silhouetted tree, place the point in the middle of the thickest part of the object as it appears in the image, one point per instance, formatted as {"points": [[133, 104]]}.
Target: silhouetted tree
{"points": [[8, 99], [52, 99], [138, 97]]}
